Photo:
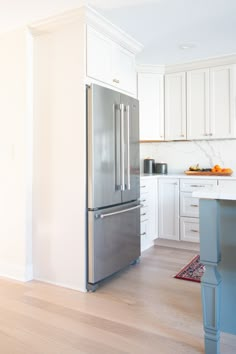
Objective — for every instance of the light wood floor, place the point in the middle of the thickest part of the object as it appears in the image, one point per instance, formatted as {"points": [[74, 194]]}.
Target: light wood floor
{"points": [[142, 310]]}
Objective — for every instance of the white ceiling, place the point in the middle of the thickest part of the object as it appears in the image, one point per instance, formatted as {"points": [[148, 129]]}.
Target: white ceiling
{"points": [[162, 26]]}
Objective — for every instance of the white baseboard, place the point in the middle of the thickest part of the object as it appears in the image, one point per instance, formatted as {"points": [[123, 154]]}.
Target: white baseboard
{"points": [[16, 272], [146, 246], [184, 245], [63, 285]]}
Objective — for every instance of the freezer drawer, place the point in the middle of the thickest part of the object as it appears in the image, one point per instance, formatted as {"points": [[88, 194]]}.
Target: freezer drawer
{"points": [[113, 240]]}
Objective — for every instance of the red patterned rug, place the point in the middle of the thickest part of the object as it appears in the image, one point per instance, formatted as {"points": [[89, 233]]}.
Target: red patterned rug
{"points": [[193, 271]]}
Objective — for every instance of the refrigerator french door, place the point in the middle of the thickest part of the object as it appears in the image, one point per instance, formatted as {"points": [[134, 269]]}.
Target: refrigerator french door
{"points": [[113, 182]]}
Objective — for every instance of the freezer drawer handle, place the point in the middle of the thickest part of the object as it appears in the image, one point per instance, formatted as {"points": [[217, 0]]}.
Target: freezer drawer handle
{"points": [[101, 216]]}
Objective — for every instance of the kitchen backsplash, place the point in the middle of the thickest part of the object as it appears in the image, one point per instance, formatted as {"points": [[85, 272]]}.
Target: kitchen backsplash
{"points": [[180, 155]]}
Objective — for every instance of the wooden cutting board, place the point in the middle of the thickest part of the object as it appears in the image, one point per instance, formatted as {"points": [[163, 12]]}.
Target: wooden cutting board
{"points": [[207, 173]]}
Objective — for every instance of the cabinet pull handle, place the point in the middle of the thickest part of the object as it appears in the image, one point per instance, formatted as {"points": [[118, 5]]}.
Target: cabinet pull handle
{"points": [[142, 186], [116, 81], [143, 200], [197, 185], [144, 233], [194, 205], [182, 135], [143, 214], [194, 230]]}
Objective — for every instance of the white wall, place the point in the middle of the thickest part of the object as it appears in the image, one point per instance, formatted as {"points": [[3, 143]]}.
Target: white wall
{"points": [[181, 155], [15, 157], [59, 243]]}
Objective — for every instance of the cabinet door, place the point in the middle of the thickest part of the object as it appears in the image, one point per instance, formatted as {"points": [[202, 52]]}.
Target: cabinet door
{"points": [[151, 106], [175, 106], [168, 206], [198, 104], [123, 69], [99, 56], [222, 102]]}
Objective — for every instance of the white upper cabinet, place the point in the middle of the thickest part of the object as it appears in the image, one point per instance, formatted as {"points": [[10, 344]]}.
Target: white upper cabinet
{"points": [[110, 63], [123, 69], [99, 56], [198, 104], [151, 106], [222, 102], [211, 103], [175, 106]]}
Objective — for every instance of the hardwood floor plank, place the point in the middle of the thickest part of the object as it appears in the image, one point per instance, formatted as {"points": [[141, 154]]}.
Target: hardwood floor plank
{"points": [[141, 310]]}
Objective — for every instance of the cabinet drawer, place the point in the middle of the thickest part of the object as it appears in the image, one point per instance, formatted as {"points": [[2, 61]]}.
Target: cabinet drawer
{"points": [[189, 206], [195, 184], [144, 213], [143, 188], [189, 229], [144, 198], [143, 228], [228, 185]]}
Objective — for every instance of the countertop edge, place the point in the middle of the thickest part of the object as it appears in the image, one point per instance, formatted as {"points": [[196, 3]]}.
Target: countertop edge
{"points": [[227, 178]]}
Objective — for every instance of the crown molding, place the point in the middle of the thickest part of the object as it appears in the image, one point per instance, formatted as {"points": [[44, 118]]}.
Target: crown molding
{"points": [[200, 64], [152, 69], [86, 15]]}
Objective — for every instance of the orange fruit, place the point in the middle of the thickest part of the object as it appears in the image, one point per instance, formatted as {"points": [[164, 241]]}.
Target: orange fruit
{"points": [[227, 170], [217, 168]]}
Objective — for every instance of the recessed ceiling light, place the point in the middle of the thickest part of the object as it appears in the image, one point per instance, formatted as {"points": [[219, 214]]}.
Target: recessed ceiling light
{"points": [[186, 46]]}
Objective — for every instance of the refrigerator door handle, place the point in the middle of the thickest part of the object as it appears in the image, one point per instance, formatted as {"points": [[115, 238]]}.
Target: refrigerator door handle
{"points": [[122, 161], [117, 147], [128, 147], [102, 216]]}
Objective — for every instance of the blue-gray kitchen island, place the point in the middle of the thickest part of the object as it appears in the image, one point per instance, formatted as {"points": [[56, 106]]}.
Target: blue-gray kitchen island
{"points": [[218, 254]]}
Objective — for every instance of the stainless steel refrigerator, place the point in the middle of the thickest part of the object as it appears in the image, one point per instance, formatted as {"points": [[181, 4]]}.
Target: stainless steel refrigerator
{"points": [[113, 183]]}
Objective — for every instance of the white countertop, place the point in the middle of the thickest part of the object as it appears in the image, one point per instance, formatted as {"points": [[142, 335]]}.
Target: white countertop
{"points": [[222, 193], [183, 175]]}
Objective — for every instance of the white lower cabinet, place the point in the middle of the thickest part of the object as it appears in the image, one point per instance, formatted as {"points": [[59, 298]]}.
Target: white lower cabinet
{"points": [[148, 211], [169, 211], [189, 207], [168, 207], [189, 229]]}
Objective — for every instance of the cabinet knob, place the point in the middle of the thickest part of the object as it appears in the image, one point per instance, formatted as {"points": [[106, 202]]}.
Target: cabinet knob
{"points": [[116, 81]]}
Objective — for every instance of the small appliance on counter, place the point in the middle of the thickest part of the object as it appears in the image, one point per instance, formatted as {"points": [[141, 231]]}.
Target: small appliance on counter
{"points": [[149, 165], [161, 168]]}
